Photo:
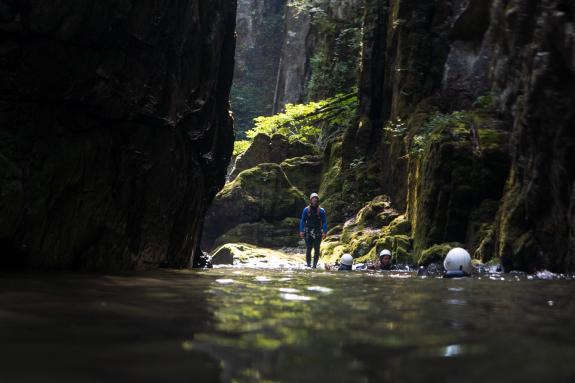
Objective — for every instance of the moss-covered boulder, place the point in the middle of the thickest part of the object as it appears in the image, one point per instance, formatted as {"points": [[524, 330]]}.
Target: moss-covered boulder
{"points": [[399, 226], [376, 214], [266, 149], [265, 234], [257, 194], [436, 253], [304, 172], [253, 256]]}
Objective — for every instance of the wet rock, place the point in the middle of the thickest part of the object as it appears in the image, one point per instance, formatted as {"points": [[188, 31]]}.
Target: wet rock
{"points": [[241, 254], [115, 131]]}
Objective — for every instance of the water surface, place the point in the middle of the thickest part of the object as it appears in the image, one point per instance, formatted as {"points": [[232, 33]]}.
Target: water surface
{"points": [[248, 325]]}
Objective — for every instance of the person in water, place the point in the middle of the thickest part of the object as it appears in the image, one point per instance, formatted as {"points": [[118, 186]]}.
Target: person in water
{"points": [[457, 263], [384, 261], [345, 264], [313, 228]]}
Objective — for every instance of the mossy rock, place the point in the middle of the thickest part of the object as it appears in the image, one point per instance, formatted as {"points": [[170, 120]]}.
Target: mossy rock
{"points": [[242, 253], [304, 173], [399, 226], [436, 253], [274, 235], [331, 182], [376, 214], [257, 194], [266, 149], [463, 161]]}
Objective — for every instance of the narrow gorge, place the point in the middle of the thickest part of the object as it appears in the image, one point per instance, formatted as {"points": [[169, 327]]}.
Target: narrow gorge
{"points": [[159, 164], [440, 124]]}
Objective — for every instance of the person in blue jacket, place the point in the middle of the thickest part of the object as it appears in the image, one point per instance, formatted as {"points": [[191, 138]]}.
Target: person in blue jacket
{"points": [[313, 228]]}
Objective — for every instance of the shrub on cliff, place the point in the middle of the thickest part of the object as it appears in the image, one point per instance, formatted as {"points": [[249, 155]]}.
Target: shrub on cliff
{"points": [[304, 122]]}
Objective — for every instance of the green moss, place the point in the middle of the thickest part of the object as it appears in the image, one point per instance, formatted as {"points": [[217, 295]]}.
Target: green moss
{"points": [[303, 172], [256, 194], [436, 253], [331, 182], [376, 214], [461, 160], [400, 225]]}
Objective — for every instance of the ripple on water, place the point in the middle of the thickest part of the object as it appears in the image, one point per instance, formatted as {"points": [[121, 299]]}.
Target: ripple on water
{"points": [[225, 281], [320, 289], [295, 297], [288, 290]]}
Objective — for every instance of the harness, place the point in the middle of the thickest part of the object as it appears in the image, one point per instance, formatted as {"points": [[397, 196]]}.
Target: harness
{"points": [[314, 232], [317, 211]]}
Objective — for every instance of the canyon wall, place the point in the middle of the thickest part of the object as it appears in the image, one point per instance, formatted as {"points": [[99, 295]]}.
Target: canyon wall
{"points": [[467, 110], [260, 34], [115, 132]]}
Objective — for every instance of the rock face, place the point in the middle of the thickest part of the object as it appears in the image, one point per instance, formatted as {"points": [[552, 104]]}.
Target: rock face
{"points": [[260, 29], [533, 73], [448, 90], [114, 130], [294, 68], [319, 52]]}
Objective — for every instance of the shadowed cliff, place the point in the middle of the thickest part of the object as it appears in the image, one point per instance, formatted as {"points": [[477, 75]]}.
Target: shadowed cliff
{"points": [[115, 130]]}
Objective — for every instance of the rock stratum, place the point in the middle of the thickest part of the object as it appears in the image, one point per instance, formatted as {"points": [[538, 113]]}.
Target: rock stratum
{"points": [[115, 132]]}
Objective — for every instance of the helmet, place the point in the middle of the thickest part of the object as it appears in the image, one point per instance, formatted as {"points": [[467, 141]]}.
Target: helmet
{"points": [[385, 252], [346, 259], [314, 195], [458, 259]]}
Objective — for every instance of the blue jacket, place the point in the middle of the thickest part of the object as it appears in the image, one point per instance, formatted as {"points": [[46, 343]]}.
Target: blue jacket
{"points": [[304, 216]]}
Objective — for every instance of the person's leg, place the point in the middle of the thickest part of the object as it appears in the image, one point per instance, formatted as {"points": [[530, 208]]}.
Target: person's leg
{"points": [[309, 246], [317, 246]]}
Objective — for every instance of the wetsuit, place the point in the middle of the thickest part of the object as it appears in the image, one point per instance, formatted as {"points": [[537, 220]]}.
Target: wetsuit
{"points": [[313, 224]]}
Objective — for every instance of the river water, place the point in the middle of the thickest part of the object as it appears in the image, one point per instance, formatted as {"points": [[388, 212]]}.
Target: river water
{"points": [[251, 325]]}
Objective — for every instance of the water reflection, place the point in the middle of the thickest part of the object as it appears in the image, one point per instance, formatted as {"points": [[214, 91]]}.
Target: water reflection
{"points": [[249, 325], [362, 327]]}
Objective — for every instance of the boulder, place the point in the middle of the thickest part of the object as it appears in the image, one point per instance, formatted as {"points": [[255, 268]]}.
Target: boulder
{"points": [[304, 173], [257, 194], [266, 149]]}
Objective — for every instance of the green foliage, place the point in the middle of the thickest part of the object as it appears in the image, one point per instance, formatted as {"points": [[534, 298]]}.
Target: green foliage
{"points": [[335, 68], [303, 122], [240, 146], [457, 122], [336, 59], [486, 102]]}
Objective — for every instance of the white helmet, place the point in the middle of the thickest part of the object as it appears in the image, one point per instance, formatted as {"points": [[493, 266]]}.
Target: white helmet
{"points": [[346, 259], [314, 195], [385, 252], [458, 259]]}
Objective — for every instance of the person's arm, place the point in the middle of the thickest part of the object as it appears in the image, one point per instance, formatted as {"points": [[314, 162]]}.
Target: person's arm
{"points": [[302, 221], [323, 221]]}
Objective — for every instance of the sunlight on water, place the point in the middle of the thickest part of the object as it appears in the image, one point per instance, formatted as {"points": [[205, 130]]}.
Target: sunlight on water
{"points": [[288, 325]]}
